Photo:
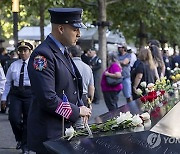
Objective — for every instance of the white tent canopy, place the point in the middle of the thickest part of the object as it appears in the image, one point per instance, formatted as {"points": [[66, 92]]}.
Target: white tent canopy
{"points": [[33, 33], [92, 34]]}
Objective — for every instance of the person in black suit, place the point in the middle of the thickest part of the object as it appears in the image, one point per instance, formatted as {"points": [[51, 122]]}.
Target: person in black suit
{"points": [[95, 64], [53, 74]]}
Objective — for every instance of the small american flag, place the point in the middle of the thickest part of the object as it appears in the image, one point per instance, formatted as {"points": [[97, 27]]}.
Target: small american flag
{"points": [[64, 108]]}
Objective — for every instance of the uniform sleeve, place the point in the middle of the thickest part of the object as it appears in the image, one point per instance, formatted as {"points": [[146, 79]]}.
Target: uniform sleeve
{"points": [[8, 84], [91, 82], [2, 80], [97, 64], [42, 77]]}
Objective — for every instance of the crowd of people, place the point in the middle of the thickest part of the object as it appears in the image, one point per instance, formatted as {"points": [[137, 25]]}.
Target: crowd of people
{"points": [[34, 83]]}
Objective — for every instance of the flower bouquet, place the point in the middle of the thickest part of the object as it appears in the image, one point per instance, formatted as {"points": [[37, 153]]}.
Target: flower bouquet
{"points": [[175, 73], [123, 121], [154, 97]]}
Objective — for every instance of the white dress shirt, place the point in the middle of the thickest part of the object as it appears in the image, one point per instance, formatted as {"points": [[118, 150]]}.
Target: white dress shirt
{"points": [[2, 80], [13, 75]]}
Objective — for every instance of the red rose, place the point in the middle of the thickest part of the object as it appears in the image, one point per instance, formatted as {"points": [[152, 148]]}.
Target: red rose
{"points": [[152, 93], [143, 99], [157, 109], [162, 92], [151, 98], [164, 102]]}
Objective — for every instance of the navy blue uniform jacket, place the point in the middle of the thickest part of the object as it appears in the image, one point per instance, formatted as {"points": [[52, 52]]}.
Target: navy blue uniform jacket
{"points": [[47, 87]]}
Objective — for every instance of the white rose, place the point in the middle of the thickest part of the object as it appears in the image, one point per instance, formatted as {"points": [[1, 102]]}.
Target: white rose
{"points": [[172, 71], [123, 117], [145, 116], [143, 84], [136, 120], [176, 69], [139, 128], [176, 64], [147, 123], [128, 116], [168, 68], [174, 85], [69, 131], [150, 85], [139, 91], [147, 90]]}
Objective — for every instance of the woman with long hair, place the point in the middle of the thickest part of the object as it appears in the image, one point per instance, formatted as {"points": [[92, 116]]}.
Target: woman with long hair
{"points": [[158, 60], [145, 71]]}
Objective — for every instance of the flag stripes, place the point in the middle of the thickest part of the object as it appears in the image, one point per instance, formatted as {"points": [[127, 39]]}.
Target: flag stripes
{"points": [[64, 109]]}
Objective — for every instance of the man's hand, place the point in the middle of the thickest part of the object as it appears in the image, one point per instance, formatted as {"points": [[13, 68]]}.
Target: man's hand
{"points": [[3, 105], [84, 111], [85, 119]]}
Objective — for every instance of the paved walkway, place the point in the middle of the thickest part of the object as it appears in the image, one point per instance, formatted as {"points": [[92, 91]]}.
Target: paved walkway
{"points": [[7, 140]]}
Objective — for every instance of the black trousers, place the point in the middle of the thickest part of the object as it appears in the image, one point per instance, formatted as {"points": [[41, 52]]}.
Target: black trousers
{"points": [[111, 99], [20, 100]]}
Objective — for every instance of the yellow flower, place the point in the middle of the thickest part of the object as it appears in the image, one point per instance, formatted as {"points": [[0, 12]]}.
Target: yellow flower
{"points": [[173, 77], [177, 76]]}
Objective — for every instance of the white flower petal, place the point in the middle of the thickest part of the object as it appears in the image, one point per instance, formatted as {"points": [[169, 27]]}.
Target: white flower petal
{"points": [[145, 116], [136, 120], [69, 131], [147, 123], [143, 84]]}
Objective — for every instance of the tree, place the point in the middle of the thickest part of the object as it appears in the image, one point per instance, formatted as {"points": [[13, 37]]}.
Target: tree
{"points": [[159, 19]]}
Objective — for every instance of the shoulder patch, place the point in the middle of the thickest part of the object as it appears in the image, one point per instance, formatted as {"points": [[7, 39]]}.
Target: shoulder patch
{"points": [[40, 63]]}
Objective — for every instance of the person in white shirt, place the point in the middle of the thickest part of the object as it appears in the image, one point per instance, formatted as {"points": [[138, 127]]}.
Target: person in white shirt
{"points": [[133, 56], [2, 84], [18, 88]]}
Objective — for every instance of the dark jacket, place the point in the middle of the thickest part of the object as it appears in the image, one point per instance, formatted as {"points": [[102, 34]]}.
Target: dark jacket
{"points": [[48, 86]]}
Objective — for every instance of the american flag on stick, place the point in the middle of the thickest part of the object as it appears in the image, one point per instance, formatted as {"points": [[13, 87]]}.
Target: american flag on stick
{"points": [[64, 109]]}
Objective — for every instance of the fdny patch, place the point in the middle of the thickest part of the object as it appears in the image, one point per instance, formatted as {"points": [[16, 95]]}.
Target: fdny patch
{"points": [[99, 61], [40, 63]]}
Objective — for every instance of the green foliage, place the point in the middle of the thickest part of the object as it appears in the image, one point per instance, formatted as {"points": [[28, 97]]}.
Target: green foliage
{"points": [[160, 17]]}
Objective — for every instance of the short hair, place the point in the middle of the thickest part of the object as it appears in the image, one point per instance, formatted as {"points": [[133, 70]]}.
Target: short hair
{"points": [[113, 57], [2, 50], [75, 51]]}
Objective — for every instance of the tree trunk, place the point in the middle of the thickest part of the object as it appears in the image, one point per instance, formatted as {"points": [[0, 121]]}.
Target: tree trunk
{"points": [[41, 13], [142, 34], [102, 38]]}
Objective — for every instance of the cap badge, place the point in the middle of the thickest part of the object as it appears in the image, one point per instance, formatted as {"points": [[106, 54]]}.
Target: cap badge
{"points": [[23, 43], [40, 63]]}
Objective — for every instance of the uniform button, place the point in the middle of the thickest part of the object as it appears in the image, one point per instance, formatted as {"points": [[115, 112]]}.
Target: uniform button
{"points": [[75, 93]]}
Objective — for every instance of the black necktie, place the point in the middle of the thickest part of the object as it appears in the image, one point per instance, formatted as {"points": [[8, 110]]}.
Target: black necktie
{"points": [[66, 54], [21, 78]]}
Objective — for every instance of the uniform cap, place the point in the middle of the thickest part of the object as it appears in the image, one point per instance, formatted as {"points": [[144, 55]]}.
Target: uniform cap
{"points": [[72, 16], [25, 45]]}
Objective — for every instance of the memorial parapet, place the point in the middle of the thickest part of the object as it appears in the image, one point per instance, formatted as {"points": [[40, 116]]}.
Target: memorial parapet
{"points": [[145, 142], [161, 137]]}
